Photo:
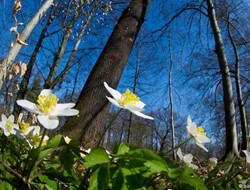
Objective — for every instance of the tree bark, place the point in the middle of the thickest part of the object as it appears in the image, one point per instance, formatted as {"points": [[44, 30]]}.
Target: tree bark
{"points": [[228, 98], [241, 105], [9, 59], [92, 103]]}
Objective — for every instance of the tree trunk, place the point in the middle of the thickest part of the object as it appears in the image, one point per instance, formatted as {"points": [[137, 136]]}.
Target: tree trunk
{"points": [[228, 99], [241, 105], [171, 98], [134, 91], [92, 103], [24, 83], [9, 59], [60, 52]]}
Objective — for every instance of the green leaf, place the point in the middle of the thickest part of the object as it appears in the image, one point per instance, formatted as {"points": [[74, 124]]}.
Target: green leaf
{"points": [[67, 159], [55, 142], [122, 149], [51, 184], [126, 179], [95, 157], [99, 179], [189, 177]]}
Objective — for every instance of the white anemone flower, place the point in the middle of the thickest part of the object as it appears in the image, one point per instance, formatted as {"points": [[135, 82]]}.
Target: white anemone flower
{"points": [[48, 109], [67, 139], [36, 137], [247, 153], [127, 100], [8, 125], [187, 159], [197, 133], [24, 129]]}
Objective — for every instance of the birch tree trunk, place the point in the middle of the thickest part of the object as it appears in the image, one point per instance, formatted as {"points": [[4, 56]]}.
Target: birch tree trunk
{"points": [[171, 98], [241, 105], [92, 103], [9, 59], [228, 99]]}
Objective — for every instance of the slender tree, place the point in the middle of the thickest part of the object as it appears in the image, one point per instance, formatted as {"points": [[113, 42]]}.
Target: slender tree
{"points": [[92, 103], [228, 98], [241, 104], [10, 57], [26, 78]]}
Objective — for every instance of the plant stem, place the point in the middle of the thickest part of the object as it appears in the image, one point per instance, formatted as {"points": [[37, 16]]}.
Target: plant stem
{"points": [[179, 145], [109, 125], [35, 157]]}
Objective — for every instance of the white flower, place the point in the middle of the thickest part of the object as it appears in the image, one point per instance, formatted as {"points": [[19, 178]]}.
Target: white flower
{"points": [[197, 133], [67, 139], [8, 126], [212, 162], [24, 129], [187, 159], [36, 138], [48, 109], [247, 153], [128, 101]]}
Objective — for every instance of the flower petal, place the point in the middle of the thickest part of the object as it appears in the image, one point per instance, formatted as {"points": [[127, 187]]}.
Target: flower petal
{"points": [[31, 107], [201, 145], [202, 139], [4, 118], [132, 108], [64, 110], [11, 118], [179, 154], [247, 153], [141, 115], [116, 94], [65, 106], [48, 122], [46, 92], [114, 102]]}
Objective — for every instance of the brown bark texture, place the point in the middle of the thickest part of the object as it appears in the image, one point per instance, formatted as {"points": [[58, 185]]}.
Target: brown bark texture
{"points": [[92, 102]]}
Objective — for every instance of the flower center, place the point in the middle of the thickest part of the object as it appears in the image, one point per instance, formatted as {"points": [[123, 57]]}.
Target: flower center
{"points": [[9, 125], [201, 131], [36, 140], [23, 127], [47, 103], [128, 98]]}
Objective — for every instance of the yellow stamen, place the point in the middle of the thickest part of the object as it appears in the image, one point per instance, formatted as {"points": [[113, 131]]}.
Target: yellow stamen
{"points": [[47, 103], [36, 140], [9, 125], [201, 131], [128, 98], [23, 127]]}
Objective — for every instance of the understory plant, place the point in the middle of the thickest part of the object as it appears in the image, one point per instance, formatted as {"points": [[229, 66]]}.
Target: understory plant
{"points": [[30, 160]]}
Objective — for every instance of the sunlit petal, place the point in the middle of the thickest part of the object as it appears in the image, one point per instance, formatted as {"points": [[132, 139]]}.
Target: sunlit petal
{"points": [[29, 106], [48, 122], [116, 95], [179, 154], [142, 115], [114, 102], [46, 92]]}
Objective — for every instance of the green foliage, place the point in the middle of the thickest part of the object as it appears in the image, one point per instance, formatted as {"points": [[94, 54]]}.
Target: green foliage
{"points": [[59, 165]]}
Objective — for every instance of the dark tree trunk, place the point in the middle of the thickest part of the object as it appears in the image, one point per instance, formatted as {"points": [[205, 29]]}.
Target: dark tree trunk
{"points": [[228, 99], [92, 103]]}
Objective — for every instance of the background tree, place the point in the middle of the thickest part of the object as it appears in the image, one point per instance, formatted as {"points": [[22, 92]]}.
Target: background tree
{"points": [[92, 102]]}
